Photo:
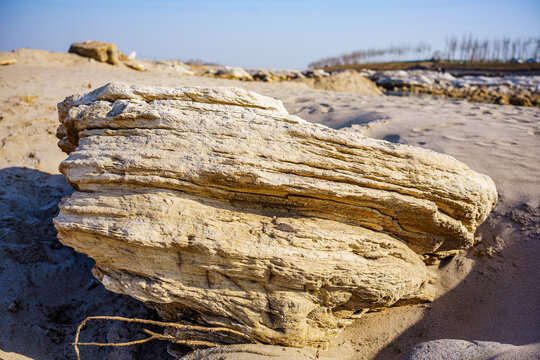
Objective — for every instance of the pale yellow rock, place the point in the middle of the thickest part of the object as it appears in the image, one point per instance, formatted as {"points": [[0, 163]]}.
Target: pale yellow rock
{"points": [[135, 65], [217, 206], [98, 50], [8, 62], [235, 73]]}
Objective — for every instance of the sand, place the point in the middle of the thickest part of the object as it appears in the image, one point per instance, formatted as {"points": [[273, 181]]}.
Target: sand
{"points": [[489, 293]]}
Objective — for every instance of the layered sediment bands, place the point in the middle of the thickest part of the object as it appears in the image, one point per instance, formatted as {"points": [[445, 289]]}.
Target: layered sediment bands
{"points": [[219, 204]]}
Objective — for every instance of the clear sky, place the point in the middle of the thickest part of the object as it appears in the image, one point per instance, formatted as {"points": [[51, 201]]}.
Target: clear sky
{"points": [[263, 33]]}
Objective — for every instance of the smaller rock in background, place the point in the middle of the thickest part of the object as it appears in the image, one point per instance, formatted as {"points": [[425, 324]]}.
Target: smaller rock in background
{"points": [[451, 349], [7, 62], [97, 50], [235, 73]]}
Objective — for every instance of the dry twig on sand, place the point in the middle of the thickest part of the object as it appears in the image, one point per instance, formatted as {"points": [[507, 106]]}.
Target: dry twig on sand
{"points": [[155, 336]]}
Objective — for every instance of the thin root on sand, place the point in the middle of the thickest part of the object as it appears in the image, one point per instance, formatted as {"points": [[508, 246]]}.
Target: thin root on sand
{"points": [[153, 335]]}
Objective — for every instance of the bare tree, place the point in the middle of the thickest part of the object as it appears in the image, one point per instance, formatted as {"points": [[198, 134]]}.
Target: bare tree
{"points": [[485, 49], [525, 44], [496, 50], [515, 47], [505, 48], [470, 49], [453, 46]]}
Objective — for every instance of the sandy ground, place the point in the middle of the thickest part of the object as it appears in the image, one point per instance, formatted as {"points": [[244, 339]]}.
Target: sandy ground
{"points": [[490, 292]]}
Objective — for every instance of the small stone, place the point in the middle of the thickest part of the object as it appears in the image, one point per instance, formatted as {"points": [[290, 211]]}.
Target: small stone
{"points": [[15, 306], [92, 284], [55, 244]]}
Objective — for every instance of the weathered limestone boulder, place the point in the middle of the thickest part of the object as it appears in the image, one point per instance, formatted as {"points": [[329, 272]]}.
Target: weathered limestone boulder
{"points": [[97, 50], [218, 207]]}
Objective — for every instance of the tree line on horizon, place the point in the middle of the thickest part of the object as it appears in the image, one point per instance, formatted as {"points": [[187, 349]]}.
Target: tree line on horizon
{"points": [[467, 48]]}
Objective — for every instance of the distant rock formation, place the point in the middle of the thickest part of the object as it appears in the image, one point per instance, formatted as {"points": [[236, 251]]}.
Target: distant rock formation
{"points": [[214, 205]]}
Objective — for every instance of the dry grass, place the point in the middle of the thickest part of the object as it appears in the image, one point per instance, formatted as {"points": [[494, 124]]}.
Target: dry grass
{"points": [[28, 99]]}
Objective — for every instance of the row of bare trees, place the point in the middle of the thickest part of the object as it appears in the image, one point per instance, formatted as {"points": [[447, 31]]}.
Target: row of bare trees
{"points": [[469, 48], [466, 48], [395, 53]]}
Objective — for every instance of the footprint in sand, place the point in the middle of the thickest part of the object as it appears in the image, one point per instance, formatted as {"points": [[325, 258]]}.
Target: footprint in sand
{"points": [[436, 126], [301, 100], [455, 138], [492, 142], [312, 109]]}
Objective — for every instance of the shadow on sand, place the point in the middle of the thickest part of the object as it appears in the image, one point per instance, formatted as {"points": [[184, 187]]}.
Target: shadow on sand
{"points": [[47, 289], [498, 300]]}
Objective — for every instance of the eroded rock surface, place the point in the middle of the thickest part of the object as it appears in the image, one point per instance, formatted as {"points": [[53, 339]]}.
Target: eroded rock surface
{"points": [[218, 207]]}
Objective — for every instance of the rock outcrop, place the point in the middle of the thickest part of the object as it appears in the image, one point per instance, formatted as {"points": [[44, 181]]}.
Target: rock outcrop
{"points": [[218, 207]]}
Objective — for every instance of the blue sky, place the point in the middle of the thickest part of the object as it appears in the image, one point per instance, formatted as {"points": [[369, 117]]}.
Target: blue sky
{"points": [[279, 33]]}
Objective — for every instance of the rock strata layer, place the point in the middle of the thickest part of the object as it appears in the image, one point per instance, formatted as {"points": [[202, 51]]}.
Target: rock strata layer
{"points": [[218, 207]]}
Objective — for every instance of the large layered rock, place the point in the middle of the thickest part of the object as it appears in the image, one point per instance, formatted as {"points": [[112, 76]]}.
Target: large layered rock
{"points": [[217, 206]]}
